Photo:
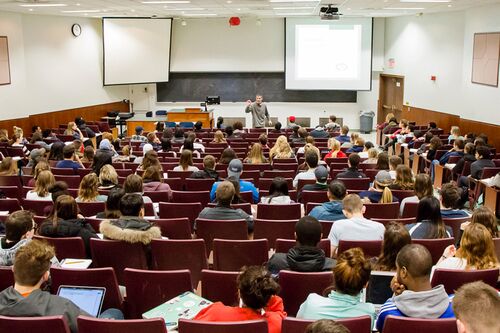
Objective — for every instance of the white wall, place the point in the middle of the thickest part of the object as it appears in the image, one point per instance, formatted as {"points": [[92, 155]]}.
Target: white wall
{"points": [[52, 70], [441, 45]]}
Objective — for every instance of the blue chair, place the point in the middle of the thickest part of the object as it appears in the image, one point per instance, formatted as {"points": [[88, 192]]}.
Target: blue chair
{"points": [[186, 124], [170, 124], [161, 112]]}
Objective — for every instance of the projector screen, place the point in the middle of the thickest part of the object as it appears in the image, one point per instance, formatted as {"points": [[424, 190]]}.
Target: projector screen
{"points": [[136, 50], [330, 55]]}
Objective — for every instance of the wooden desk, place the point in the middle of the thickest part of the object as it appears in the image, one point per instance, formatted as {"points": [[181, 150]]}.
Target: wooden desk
{"points": [[406, 157], [439, 172], [207, 118], [379, 137], [491, 197]]}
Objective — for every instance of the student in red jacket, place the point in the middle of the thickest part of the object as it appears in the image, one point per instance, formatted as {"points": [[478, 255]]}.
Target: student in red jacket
{"points": [[258, 300]]}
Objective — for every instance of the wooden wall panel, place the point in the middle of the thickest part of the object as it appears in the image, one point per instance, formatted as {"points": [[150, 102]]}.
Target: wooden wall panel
{"points": [[424, 116], [19, 122], [467, 126]]}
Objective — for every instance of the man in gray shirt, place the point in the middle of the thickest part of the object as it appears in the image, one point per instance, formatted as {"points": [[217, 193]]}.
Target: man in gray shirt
{"points": [[259, 112]]}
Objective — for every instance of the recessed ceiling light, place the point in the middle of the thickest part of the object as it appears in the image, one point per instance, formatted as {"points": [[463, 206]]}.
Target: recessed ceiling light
{"points": [[78, 4], [424, 1], [44, 5], [294, 0], [229, 1], [30, 9]]}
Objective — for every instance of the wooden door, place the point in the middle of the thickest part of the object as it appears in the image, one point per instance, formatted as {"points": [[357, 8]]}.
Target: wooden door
{"points": [[391, 96]]}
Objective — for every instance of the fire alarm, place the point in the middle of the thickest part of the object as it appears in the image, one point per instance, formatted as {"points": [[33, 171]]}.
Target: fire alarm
{"points": [[234, 21], [433, 78]]}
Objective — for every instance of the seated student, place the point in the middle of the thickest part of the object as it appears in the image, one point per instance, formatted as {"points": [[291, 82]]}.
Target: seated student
{"points": [[350, 275], [189, 145], [8, 167], [483, 160], [278, 192], [352, 170], [302, 134], [383, 161], [450, 197], [414, 295], [311, 160], [112, 210], [404, 179], [227, 156], [208, 169], [150, 159], [326, 326], [423, 188], [353, 138], [237, 199], [400, 135], [433, 147], [147, 147], [343, 137], [390, 123], [305, 256], [220, 123], [369, 152], [64, 221], [166, 147], [335, 151], [198, 126], [41, 191], [277, 128], [457, 150], [469, 156], [186, 162], [108, 178], [263, 141], [256, 155], [319, 132], [418, 137], [331, 210], [74, 131], [355, 226], [309, 143], [380, 192], [88, 191], [219, 137], [152, 182], [394, 162], [133, 184], [332, 125], [482, 215], [138, 136], [19, 229], [321, 175], [36, 155], [88, 155], [153, 140], [281, 149], [234, 169], [469, 306], [224, 195], [26, 299], [131, 227], [454, 134], [258, 298], [429, 222], [295, 132], [358, 146]]}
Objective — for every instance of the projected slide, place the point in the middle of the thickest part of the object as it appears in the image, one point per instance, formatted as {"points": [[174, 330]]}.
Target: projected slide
{"points": [[328, 55]]}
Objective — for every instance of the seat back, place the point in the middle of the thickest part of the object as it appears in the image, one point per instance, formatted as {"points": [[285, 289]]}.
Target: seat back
{"points": [[148, 289], [410, 209], [208, 230], [36, 206], [204, 184], [455, 223], [435, 246], [11, 192], [66, 247], [371, 248], [496, 241], [296, 286], [393, 324], [314, 196], [94, 277], [53, 324], [302, 182], [10, 205], [284, 245], [247, 326], [119, 255], [157, 196], [91, 208], [355, 325], [170, 254], [211, 282], [94, 325], [10, 181], [382, 210], [177, 228], [402, 194], [202, 197], [356, 183], [72, 181], [169, 210], [274, 229], [279, 212], [453, 279], [231, 255], [6, 277]]}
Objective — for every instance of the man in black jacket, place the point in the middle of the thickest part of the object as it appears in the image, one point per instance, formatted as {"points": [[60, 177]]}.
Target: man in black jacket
{"points": [[305, 256], [208, 169], [352, 171]]}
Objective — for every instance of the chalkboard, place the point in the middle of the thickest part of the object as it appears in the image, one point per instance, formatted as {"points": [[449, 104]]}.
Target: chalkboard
{"points": [[239, 87]]}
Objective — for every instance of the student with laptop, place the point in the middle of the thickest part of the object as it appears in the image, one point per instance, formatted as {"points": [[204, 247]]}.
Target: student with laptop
{"points": [[26, 299]]}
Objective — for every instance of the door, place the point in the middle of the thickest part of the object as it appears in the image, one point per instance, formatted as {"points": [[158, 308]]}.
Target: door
{"points": [[391, 96], [139, 97]]}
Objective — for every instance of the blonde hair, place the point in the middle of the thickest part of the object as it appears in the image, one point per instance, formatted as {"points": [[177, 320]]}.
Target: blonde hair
{"points": [[359, 141], [404, 177], [352, 203], [389, 116], [476, 246], [8, 167], [219, 137], [334, 146], [108, 173], [40, 166], [386, 191], [43, 181], [18, 131], [281, 148], [372, 153], [309, 147], [88, 188], [455, 131], [255, 154], [69, 130], [354, 137]]}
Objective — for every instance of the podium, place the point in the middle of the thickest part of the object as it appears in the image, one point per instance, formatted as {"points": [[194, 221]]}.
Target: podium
{"points": [[193, 115]]}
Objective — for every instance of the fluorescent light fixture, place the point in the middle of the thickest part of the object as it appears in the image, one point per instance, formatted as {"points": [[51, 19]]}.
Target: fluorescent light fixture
{"points": [[404, 8], [44, 5], [424, 1], [292, 8], [185, 9], [81, 11], [294, 0], [162, 2]]}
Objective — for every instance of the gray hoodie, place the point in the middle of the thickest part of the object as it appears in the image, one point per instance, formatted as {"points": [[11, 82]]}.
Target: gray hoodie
{"points": [[39, 303], [423, 304]]}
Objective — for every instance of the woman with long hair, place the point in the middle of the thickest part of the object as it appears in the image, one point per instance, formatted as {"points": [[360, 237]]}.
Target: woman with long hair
{"points": [[40, 166], [108, 178], [219, 137], [281, 149], [482, 215], [278, 192], [112, 210], [477, 251], [380, 192], [65, 221], [74, 131], [150, 159], [334, 147], [343, 298], [56, 151], [101, 158], [434, 145], [424, 187], [41, 191], [382, 161], [404, 179], [396, 236], [256, 155], [88, 191], [186, 162], [372, 158], [8, 167], [153, 182], [227, 156], [429, 224]]}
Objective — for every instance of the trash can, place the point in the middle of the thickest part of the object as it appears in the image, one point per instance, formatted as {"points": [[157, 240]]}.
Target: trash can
{"points": [[366, 121]]}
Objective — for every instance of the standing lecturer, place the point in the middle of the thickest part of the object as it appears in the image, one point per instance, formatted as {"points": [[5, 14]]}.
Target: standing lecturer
{"points": [[259, 112]]}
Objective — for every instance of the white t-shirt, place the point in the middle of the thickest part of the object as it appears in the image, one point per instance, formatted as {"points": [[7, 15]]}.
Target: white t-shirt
{"points": [[357, 229], [190, 168], [309, 174], [32, 195], [450, 263]]}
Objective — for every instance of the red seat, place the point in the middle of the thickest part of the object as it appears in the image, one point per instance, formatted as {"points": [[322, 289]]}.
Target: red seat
{"points": [[284, 245], [93, 325], [247, 326], [247, 196], [96, 277], [66, 247], [285, 166], [6, 277], [410, 209], [382, 210], [119, 255], [371, 248], [10, 181], [279, 173], [435, 246], [274, 229], [170, 254], [83, 172], [314, 196], [211, 282], [148, 289], [124, 172], [204, 184], [208, 230], [265, 183], [279, 212], [232, 255], [11, 192], [10, 205], [455, 223], [296, 286], [355, 325], [169, 210], [36, 206], [496, 241], [176, 228], [63, 171], [452, 279], [179, 174], [251, 174], [157, 196], [94, 222], [72, 181], [258, 166], [356, 183], [402, 194], [52, 324], [91, 208], [393, 324], [310, 206], [408, 220], [176, 184], [202, 197], [302, 182], [291, 193]]}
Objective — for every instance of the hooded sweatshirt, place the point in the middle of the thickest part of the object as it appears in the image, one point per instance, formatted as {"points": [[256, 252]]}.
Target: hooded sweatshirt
{"points": [[130, 229], [430, 304], [300, 259], [37, 304], [329, 211], [8, 251]]}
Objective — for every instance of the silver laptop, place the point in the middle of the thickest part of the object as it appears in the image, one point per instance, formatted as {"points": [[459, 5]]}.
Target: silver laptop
{"points": [[89, 299]]}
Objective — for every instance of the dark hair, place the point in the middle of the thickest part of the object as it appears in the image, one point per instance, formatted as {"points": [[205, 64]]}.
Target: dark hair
{"points": [[382, 161], [308, 231], [46, 132], [354, 160], [68, 151], [395, 237], [432, 125], [56, 151], [277, 126], [278, 187], [428, 137], [311, 158], [326, 326], [57, 189], [131, 204], [429, 210], [35, 137], [369, 144], [263, 139], [238, 125], [459, 143], [112, 210], [167, 133], [435, 143], [256, 286], [227, 156], [229, 130], [417, 260], [34, 128], [484, 137], [160, 126], [484, 152], [166, 145], [188, 144], [337, 189], [220, 121], [450, 195], [101, 158], [352, 272], [198, 125], [65, 208], [133, 184], [18, 224], [236, 184], [470, 148], [179, 132]]}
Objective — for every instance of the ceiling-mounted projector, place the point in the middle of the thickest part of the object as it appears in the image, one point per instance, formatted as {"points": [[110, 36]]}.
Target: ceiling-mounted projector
{"points": [[329, 13]]}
